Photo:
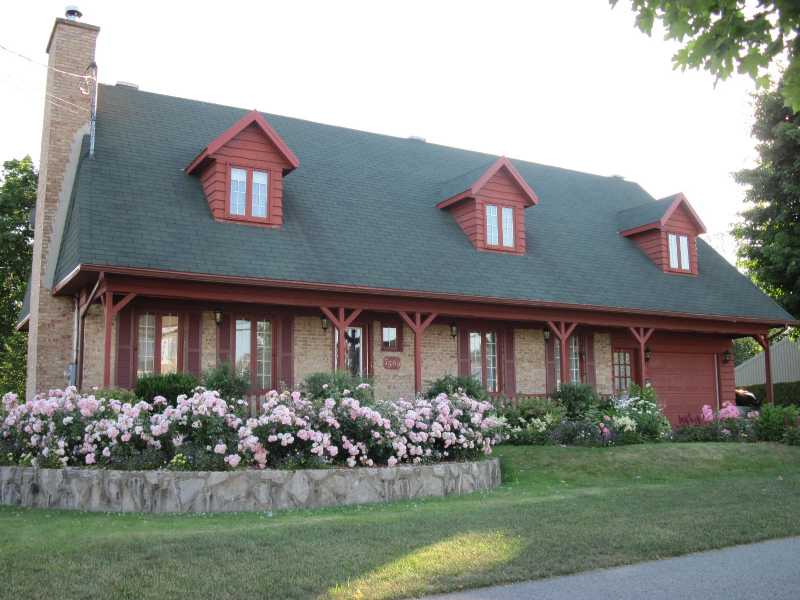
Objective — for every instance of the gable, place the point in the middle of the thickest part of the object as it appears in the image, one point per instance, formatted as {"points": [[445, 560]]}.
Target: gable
{"points": [[683, 220]]}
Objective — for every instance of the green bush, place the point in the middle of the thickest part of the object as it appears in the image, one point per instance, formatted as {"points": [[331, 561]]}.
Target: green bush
{"points": [[773, 421], [785, 393], [116, 394], [577, 399], [530, 407], [450, 384], [725, 430], [792, 436], [319, 386], [169, 386], [650, 420], [225, 380]]}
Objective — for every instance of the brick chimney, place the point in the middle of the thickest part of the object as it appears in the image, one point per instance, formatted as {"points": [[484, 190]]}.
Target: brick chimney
{"points": [[67, 113]]}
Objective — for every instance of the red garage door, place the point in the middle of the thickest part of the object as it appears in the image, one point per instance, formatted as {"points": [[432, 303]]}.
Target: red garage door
{"points": [[683, 382]]}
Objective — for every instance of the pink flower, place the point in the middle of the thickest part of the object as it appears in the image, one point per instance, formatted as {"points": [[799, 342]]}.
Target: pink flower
{"points": [[220, 449], [233, 460], [392, 461], [90, 459], [708, 414]]}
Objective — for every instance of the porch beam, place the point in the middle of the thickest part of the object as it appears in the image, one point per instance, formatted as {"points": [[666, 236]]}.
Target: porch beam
{"points": [[764, 341], [110, 311], [92, 295], [341, 321], [397, 300], [642, 335], [562, 331], [418, 325]]}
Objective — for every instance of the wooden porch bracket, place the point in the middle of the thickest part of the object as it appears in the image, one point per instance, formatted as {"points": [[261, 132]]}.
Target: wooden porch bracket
{"points": [[111, 311], [764, 340], [642, 335], [562, 331], [418, 325], [341, 321]]}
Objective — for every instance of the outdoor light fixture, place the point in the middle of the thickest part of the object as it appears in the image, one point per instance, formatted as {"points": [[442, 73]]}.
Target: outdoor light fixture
{"points": [[648, 354], [453, 330], [726, 356], [546, 334], [218, 317], [325, 323]]}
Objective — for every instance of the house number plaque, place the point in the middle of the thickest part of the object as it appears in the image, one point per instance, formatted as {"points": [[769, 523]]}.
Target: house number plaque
{"points": [[391, 362]]}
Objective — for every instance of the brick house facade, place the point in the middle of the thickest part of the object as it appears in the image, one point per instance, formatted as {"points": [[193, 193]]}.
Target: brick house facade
{"points": [[182, 235]]}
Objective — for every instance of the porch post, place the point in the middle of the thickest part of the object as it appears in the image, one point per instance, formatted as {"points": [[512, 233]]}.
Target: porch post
{"points": [[764, 341], [642, 334], [341, 322], [562, 331], [418, 325], [108, 312]]}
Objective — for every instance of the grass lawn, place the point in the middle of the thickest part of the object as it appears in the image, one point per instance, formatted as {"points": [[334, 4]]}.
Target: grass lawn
{"points": [[561, 510]]}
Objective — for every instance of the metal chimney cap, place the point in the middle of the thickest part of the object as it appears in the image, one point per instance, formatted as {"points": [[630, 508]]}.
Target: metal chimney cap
{"points": [[72, 12]]}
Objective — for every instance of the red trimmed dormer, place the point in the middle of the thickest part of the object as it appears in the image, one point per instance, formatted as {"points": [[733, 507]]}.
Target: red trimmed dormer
{"points": [[242, 172], [489, 205], [666, 231]]}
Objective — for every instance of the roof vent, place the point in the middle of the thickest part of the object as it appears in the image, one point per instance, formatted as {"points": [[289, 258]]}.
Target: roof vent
{"points": [[128, 84], [617, 176], [417, 138], [72, 13]]}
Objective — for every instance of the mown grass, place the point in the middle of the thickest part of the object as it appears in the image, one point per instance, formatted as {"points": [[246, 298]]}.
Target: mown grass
{"points": [[560, 510]]}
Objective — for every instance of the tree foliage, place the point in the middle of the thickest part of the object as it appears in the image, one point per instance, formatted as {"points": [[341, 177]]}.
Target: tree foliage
{"points": [[744, 349], [723, 36], [769, 234], [17, 201]]}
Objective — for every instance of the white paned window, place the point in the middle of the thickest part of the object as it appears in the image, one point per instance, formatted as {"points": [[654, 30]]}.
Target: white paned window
{"points": [[169, 344], [492, 234], [508, 227], [475, 356], [684, 244], [243, 347], [260, 184], [147, 345], [354, 351], [491, 361], [673, 250], [238, 191], [264, 355]]}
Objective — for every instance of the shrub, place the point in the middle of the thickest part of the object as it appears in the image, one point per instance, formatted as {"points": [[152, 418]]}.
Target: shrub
{"points": [[772, 421], [531, 407], [577, 399], [787, 392], [320, 386], [792, 436], [204, 432], [450, 384], [116, 394], [225, 380], [169, 386], [642, 406]]}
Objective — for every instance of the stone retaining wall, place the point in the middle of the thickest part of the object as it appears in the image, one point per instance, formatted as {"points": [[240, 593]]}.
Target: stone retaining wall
{"points": [[229, 491]]}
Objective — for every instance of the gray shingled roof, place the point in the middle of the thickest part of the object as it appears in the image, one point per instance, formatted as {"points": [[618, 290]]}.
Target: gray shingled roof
{"points": [[644, 214], [361, 210]]}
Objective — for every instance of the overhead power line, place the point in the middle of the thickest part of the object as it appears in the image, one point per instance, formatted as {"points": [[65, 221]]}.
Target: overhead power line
{"points": [[84, 76]]}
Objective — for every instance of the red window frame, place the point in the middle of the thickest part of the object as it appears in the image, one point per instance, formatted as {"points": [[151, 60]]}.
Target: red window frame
{"points": [[254, 318], [484, 370], [690, 239], [499, 246], [248, 204], [157, 336], [632, 353], [385, 347]]}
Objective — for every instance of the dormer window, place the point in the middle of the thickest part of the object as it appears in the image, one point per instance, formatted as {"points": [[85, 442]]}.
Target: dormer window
{"points": [[678, 252], [243, 171], [489, 203]]}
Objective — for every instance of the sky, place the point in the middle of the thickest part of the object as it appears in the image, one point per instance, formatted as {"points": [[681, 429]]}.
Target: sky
{"points": [[570, 83]]}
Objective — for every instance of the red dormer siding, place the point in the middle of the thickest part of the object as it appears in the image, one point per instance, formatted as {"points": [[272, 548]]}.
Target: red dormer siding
{"points": [[500, 186], [253, 146], [682, 221], [654, 244]]}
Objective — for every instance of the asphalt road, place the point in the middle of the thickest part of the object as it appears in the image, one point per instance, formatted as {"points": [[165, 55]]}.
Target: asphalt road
{"points": [[767, 570]]}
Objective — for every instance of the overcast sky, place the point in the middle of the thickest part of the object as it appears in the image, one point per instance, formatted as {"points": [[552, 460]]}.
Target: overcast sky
{"points": [[569, 83]]}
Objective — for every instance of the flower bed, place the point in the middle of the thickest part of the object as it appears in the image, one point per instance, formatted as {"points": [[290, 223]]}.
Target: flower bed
{"points": [[205, 433]]}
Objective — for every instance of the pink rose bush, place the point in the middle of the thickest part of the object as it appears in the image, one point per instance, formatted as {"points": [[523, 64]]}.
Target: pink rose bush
{"points": [[204, 432]]}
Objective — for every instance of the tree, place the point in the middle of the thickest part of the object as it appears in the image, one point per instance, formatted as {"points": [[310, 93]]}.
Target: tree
{"points": [[744, 348], [769, 234], [17, 201], [721, 36]]}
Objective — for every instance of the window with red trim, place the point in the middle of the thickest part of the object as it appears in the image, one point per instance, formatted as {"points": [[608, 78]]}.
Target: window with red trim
{"points": [[158, 344], [252, 347], [622, 369], [483, 362], [500, 226], [391, 337], [248, 194]]}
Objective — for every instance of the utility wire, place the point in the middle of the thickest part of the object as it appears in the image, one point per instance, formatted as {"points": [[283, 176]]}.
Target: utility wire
{"points": [[36, 62]]}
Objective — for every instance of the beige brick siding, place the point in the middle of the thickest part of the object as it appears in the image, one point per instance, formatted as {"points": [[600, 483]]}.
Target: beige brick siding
{"points": [[391, 384], [313, 347], [51, 326], [529, 361], [602, 363], [208, 342], [93, 347], [439, 354]]}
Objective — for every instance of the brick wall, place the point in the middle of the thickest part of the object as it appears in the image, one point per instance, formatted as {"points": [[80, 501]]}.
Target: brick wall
{"points": [[313, 347], [602, 363], [93, 336], [439, 354], [391, 384], [50, 338], [529, 361], [208, 342]]}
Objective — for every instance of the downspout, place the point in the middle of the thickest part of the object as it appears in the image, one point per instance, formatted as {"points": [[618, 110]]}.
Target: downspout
{"points": [[76, 337]]}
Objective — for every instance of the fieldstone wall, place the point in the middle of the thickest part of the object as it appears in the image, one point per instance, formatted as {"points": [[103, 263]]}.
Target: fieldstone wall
{"points": [[232, 491]]}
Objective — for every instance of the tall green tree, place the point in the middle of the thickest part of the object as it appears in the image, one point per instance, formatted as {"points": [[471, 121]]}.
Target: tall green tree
{"points": [[769, 234], [723, 36], [17, 201]]}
